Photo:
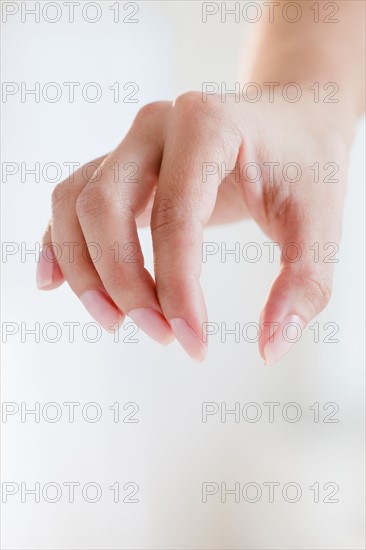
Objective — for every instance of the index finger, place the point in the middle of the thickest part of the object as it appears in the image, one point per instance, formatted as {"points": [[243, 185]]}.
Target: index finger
{"points": [[183, 205]]}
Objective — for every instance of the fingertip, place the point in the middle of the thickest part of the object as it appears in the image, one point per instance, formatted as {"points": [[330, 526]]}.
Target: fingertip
{"points": [[48, 273], [188, 339], [153, 324], [100, 306], [281, 340]]}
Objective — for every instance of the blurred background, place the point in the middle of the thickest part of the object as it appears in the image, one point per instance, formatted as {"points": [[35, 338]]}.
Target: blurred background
{"points": [[144, 431]]}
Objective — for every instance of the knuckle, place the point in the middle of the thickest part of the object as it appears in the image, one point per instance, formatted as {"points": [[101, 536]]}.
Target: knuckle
{"points": [[190, 105], [61, 198], [189, 100], [278, 202], [317, 289], [198, 117], [149, 110], [92, 201], [168, 217]]}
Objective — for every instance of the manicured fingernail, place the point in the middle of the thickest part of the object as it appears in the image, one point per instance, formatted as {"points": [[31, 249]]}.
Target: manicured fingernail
{"points": [[287, 334], [188, 339], [99, 305], [45, 268], [154, 324]]}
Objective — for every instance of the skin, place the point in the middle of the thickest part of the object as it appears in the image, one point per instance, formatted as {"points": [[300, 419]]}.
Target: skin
{"points": [[170, 142]]}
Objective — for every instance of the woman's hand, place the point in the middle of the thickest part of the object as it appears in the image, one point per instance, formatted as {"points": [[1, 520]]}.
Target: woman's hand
{"points": [[191, 160]]}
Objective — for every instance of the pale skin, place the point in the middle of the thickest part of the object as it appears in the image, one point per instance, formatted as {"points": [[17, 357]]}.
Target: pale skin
{"points": [[170, 142]]}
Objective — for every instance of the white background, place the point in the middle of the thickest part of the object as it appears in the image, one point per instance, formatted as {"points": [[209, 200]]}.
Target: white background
{"points": [[170, 452]]}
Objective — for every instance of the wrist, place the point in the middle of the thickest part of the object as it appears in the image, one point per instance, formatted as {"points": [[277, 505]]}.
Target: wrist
{"points": [[322, 106]]}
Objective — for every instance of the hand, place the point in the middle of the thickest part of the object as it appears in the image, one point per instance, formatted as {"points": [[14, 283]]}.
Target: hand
{"points": [[170, 144]]}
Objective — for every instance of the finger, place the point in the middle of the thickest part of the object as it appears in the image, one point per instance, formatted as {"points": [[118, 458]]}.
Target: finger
{"points": [[303, 287], [230, 206], [74, 259], [49, 275], [107, 208], [183, 205]]}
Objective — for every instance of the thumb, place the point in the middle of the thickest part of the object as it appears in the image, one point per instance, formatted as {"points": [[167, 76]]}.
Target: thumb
{"points": [[304, 285]]}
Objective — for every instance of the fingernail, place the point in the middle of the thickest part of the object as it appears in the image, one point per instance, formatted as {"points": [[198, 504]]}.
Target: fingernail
{"points": [[188, 339], [99, 305], [45, 268], [154, 324], [288, 333]]}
